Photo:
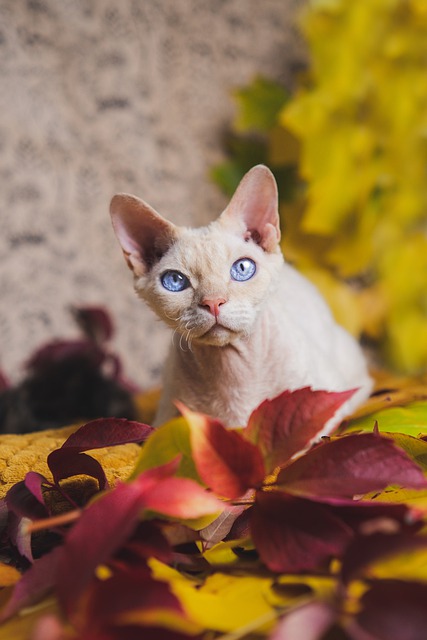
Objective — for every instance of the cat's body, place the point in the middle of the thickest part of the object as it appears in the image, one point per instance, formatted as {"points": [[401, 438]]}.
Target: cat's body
{"points": [[248, 326]]}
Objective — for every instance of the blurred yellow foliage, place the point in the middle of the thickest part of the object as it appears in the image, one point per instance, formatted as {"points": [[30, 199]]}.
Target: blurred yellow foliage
{"points": [[355, 218]]}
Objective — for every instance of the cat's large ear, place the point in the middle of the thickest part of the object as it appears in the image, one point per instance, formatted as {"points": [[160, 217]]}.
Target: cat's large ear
{"points": [[254, 207], [142, 232]]}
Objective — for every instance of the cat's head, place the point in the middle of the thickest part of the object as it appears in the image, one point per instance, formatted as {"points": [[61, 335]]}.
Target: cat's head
{"points": [[208, 283]]}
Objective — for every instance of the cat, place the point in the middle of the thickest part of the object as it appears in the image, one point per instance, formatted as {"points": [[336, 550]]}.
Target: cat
{"points": [[247, 324]]}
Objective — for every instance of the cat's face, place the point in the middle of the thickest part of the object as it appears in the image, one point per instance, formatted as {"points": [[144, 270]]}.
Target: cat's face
{"points": [[210, 283]]}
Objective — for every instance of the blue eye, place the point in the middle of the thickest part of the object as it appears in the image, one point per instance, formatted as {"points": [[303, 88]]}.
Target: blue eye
{"points": [[243, 269], [174, 281]]}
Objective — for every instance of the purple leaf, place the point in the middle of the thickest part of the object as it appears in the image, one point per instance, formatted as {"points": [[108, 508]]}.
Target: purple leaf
{"points": [[354, 464], [34, 585], [288, 423], [293, 534]]}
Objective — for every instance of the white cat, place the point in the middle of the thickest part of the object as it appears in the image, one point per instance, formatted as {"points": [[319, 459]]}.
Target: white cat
{"points": [[249, 325]]}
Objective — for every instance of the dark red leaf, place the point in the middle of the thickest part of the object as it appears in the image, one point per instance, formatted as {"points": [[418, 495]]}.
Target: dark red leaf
{"points": [[309, 622], [225, 461], [102, 529], [65, 463], [124, 592], [364, 550], [147, 541], [393, 610], [107, 432], [294, 534], [351, 465], [34, 585], [288, 423], [104, 432]]}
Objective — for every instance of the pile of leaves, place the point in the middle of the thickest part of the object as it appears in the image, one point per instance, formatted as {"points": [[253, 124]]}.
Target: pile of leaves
{"points": [[68, 380], [349, 152], [251, 533]]}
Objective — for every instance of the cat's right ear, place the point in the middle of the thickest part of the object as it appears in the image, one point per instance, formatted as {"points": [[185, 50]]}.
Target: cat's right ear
{"points": [[143, 234]]}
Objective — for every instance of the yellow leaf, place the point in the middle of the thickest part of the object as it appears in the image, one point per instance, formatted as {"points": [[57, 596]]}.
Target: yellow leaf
{"points": [[229, 602], [165, 444]]}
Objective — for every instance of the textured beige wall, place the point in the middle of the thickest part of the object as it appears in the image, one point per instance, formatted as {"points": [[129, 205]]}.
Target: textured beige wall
{"points": [[99, 96]]}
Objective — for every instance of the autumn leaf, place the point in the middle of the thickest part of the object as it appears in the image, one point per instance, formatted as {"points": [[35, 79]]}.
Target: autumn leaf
{"points": [[295, 534], [392, 610], [107, 523], [225, 461], [70, 460], [350, 465], [285, 425]]}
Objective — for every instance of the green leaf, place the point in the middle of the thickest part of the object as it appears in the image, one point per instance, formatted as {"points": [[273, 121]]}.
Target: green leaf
{"points": [[167, 442], [259, 105], [411, 419]]}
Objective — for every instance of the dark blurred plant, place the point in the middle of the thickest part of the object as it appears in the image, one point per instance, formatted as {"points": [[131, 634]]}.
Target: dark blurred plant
{"points": [[69, 380]]}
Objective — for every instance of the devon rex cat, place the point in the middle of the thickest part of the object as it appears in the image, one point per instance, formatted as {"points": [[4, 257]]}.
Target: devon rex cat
{"points": [[249, 325]]}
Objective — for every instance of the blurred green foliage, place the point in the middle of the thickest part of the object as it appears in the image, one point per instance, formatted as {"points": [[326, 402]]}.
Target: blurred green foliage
{"points": [[349, 151]]}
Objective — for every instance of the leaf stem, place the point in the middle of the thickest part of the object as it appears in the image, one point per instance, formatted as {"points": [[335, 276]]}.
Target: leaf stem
{"points": [[54, 521]]}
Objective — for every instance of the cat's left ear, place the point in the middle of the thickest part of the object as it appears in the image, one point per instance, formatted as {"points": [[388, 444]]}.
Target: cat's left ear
{"points": [[254, 208]]}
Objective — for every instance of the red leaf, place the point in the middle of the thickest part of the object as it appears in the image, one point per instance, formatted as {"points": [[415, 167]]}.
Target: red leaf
{"points": [[34, 585], [351, 465], [124, 592], [107, 432], [393, 610], [104, 432], [288, 423], [225, 461], [109, 521], [294, 534], [65, 463], [181, 498]]}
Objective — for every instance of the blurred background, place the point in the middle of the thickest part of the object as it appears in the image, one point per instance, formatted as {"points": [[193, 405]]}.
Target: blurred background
{"points": [[102, 96], [173, 100]]}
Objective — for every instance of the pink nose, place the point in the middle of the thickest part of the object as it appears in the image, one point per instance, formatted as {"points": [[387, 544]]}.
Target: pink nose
{"points": [[213, 305]]}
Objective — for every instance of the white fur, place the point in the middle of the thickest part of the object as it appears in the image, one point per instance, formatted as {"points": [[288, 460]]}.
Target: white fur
{"points": [[274, 331]]}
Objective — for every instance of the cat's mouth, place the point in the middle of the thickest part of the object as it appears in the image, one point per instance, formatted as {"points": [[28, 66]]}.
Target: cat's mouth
{"points": [[217, 334]]}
